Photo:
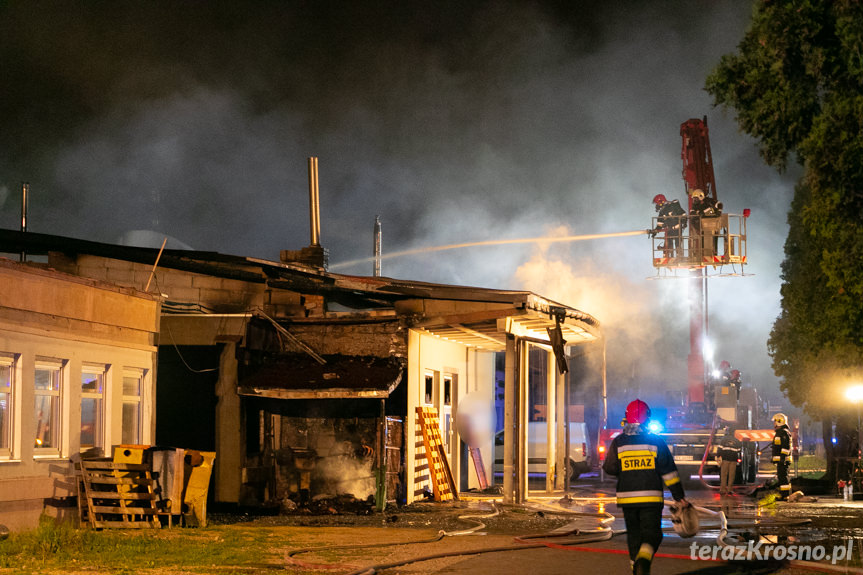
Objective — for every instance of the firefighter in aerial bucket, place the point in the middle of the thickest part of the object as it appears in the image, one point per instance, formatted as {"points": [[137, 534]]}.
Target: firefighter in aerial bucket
{"points": [[671, 219], [704, 213], [644, 466], [782, 454]]}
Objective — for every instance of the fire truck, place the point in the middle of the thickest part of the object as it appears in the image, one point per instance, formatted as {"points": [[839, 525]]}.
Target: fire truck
{"points": [[697, 244]]}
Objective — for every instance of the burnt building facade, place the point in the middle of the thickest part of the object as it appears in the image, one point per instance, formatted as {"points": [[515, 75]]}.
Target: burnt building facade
{"points": [[306, 383]]}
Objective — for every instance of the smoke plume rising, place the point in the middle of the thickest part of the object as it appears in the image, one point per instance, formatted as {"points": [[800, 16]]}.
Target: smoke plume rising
{"points": [[475, 121]]}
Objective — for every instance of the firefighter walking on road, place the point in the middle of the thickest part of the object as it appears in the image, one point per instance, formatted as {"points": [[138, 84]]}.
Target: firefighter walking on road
{"points": [[782, 453], [643, 466]]}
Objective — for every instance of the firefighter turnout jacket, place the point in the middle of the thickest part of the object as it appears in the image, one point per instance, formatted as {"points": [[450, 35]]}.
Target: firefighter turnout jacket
{"points": [[729, 449], [671, 216], [643, 466], [782, 445]]}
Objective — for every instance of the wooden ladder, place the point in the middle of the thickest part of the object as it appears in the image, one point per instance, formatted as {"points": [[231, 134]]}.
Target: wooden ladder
{"points": [[119, 495], [442, 481]]}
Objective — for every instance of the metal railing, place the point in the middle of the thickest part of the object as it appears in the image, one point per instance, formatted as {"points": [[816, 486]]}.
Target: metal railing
{"points": [[693, 242]]}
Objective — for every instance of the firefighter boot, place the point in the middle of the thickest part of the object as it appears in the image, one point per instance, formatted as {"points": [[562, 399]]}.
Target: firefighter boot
{"points": [[641, 566]]}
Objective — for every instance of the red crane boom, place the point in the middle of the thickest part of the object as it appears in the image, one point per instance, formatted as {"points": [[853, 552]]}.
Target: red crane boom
{"points": [[697, 175]]}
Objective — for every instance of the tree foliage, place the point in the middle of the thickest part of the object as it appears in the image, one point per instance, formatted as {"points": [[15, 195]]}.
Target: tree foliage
{"points": [[796, 86]]}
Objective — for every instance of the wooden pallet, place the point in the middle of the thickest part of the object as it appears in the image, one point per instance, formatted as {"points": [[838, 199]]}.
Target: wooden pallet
{"points": [[119, 495], [443, 485]]}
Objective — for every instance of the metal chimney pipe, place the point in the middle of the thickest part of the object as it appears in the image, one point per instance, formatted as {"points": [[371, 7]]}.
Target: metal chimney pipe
{"points": [[377, 272], [25, 192], [314, 203]]}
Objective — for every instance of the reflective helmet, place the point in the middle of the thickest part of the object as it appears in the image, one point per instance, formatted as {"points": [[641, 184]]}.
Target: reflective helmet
{"points": [[780, 419], [637, 412], [724, 365], [735, 373], [659, 199], [697, 195]]}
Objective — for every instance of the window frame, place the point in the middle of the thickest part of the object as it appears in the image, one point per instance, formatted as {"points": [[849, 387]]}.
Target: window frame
{"points": [[448, 389], [100, 397], [428, 396], [141, 375], [9, 360], [58, 366]]}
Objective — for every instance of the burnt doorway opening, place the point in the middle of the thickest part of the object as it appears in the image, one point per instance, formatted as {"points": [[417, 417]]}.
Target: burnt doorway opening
{"points": [[186, 399]]}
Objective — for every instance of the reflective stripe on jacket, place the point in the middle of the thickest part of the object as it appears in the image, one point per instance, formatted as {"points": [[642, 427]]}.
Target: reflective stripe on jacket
{"points": [[729, 449], [782, 445], [643, 466]]}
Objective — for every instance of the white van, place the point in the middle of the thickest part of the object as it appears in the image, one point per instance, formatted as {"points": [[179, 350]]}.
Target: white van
{"points": [[537, 449]]}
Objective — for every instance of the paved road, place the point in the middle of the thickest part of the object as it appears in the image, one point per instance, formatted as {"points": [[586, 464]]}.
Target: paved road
{"points": [[832, 523], [557, 562]]}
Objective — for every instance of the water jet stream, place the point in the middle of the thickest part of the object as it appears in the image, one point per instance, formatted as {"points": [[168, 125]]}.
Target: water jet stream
{"points": [[545, 239]]}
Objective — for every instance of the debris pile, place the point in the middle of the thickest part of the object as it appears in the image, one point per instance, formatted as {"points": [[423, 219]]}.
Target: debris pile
{"points": [[323, 504]]}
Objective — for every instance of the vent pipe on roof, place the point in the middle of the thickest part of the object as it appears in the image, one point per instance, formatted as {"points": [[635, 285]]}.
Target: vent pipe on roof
{"points": [[377, 272], [314, 254], [314, 203], [25, 192]]}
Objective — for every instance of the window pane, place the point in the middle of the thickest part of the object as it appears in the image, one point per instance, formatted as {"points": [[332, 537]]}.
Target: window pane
{"points": [[91, 422], [429, 388], [48, 379], [131, 423], [5, 404], [46, 418], [131, 385], [91, 382], [4, 420]]}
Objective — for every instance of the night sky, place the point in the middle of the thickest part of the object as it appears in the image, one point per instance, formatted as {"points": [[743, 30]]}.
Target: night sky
{"points": [[453, 121]]}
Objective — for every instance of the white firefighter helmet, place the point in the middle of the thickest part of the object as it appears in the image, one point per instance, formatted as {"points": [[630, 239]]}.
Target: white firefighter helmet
{"points": [[780, 419], [697, 194], [684, 520]]}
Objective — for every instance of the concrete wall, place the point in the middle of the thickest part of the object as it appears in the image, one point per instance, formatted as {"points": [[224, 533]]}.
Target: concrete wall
{"points": [[473, 371], [45, 315], [220, 295]]}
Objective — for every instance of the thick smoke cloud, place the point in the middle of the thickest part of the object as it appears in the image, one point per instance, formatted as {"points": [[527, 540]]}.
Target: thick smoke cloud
{"points": [[486, 121]]}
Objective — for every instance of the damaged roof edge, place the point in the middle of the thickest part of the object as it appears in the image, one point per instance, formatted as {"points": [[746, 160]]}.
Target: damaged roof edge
{"points": [[354, 290], [543, 305]]}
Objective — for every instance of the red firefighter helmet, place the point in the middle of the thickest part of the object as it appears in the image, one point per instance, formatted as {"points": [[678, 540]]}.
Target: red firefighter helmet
{"points": [[659, 199], [637, 412], [735, 373], [724, 365]]}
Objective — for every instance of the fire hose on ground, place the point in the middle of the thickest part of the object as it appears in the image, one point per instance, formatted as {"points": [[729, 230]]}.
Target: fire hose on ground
{"points": [[570, 540], [440, 535], [576, 537]]}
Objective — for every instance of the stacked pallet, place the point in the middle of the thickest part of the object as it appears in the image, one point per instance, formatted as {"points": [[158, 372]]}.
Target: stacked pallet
{"points": [[440, 475], [119, 495]]}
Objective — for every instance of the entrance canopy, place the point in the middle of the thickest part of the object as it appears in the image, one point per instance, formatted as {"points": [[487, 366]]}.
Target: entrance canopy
{"points": [[485, 325]]}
